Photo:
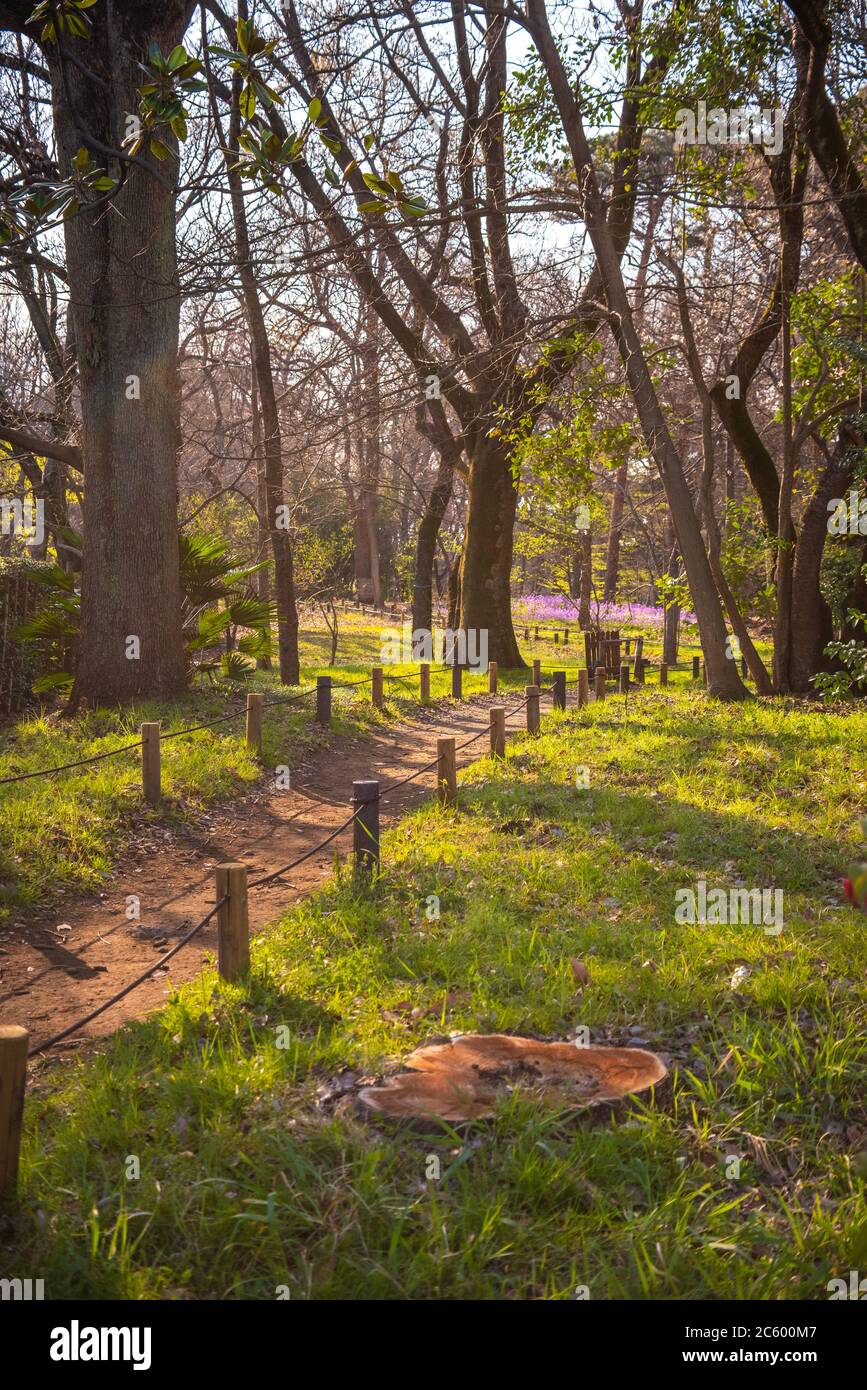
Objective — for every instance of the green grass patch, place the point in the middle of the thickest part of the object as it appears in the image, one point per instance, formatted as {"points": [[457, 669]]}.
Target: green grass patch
{"points": [[737, 1182]]}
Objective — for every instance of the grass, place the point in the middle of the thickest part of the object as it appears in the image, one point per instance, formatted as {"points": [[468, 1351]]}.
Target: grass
{"points": [[739, 1181], [86, 816]]}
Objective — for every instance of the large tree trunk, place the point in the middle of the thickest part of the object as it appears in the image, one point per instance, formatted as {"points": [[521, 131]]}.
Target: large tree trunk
{"points": [[811, 617], [486, 564], [426, 544], [125, 311]]}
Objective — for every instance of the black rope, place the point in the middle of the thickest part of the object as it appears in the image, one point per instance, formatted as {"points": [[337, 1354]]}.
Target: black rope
{"points": [[127, 989]]}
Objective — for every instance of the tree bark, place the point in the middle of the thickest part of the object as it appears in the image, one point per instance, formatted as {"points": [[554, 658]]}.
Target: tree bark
{"points": [[125, 311], [486, 563], [426, 543]]}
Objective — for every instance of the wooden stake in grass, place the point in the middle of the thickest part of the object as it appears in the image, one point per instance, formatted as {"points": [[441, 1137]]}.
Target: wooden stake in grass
{"points": [[624, 679], [600, 682], [532, 694], [232, 922], [663, 673], [556, 638], [696, 667], [537, 672], [457, 682], [14, 1042], [492, 677], [377, 688], [583, 688], [498, 732], [447, 776], [558, 684], [640, 665], [323, 700], [565, 637], [365, 829], [639, 657], [424, 682], [255, 705], [150, 763]]}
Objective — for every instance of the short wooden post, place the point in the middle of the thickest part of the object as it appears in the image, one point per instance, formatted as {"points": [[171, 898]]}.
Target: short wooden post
{"points": [[556, 638], [624, 679], [377, 687], [14, 1043], [558, 683], [233, 941], [255, 706], [663, 673], [640, 664], [639, 657], [565, 637], [696, 667], [323, 700], [447, 776], [498, 732], [532, 694], [600, 682], [583, 688], [492, 677], [365, 827], [424, 681], [457, 682], [535, 634], [537, 672], [150, 763]]}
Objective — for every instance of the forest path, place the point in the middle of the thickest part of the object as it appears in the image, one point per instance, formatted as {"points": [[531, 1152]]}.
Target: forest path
{"points": [[69, 959]]}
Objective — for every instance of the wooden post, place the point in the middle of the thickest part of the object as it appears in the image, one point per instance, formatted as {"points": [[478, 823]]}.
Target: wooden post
{"points": [[640, 664], [255, 705], [526, 634], [323, 700], [232, 923], [537, 672], [498, 732], [150, 763], [663, 673], [377, 688], [532, 694], [365, 828], [558, 681], [492, 677], [447, 777], [14, 1042], [457, 682], [583, 688], [639, 657], [628, 641], [696, 667], [600, 682], [424, 682], [624, 679], [535, 634], [556, 638], [565, 637]]}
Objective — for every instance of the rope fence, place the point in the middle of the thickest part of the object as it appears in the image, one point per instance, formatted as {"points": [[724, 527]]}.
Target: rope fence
{"points": [[231, 879]]}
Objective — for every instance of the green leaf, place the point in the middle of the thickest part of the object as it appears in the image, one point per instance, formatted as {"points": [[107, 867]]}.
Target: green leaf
{"points": [[374, 206], [177, 58], [158, 149], [314, 110]]}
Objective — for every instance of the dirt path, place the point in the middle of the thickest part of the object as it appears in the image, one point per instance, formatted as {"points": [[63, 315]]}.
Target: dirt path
{"points": [[67, 961]]}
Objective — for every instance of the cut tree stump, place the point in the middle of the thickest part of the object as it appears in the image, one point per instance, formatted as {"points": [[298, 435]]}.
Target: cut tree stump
{"points": [[464, 1079]]}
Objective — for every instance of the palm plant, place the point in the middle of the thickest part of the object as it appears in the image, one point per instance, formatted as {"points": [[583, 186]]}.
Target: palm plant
{"points": [[217, 600]]}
